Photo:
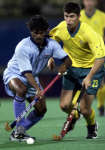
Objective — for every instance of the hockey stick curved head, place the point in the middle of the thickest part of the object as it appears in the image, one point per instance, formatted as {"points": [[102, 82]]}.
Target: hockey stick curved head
{"points": [[7, 127], [57, 137]]}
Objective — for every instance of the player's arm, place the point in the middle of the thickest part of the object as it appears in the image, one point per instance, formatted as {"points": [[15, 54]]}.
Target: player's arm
{"points": [[31, 80], [97, 65], [33, 83], [26, 67], [96, 44], [59, 58]]}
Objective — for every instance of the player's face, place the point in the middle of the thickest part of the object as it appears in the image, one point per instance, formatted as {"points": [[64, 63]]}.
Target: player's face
{"points": [[90, 4], [71, 19], [38, 36]]}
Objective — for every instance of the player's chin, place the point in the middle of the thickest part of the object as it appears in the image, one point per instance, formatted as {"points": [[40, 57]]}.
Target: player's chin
{"points": [[70, 26], [38, 40]]}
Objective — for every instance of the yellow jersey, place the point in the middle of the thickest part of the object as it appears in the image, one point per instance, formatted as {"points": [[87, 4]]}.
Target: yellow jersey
{"points": [[83, 47], [96, 21]]}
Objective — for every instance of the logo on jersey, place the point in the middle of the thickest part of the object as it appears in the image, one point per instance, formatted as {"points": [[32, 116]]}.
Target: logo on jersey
{"points": [[95, 22], [46, 56]]}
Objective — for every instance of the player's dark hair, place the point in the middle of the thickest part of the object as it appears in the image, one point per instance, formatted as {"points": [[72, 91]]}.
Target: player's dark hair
{"points": [[38, 23], [71, 7]]}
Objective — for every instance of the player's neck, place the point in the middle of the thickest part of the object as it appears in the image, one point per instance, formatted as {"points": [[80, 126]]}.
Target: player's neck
{"points": [[42, 44], [72, 30], [90, 12], [39, 45]]}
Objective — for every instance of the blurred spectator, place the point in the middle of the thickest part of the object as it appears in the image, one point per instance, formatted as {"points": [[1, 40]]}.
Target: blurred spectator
{"points": [[101, 4]]}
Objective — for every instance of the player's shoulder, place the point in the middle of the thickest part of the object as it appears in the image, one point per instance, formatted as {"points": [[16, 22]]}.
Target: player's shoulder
{"points": [[62, 25], [24, 42], [82, 12], [51, 42], [83, 25], [100, 13], [85, 28], [25, 45], [87, 31]]}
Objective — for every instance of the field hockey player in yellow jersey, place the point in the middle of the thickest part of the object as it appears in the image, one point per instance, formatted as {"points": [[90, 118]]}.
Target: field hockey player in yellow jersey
{"points": [[96, 19], [86, 50]]}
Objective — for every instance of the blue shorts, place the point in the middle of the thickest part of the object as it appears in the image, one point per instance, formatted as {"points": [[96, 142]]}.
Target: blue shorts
{"points": [[8, 76], [75, 76]]}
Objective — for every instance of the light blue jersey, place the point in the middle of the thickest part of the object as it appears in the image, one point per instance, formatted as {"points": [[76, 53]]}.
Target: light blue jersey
{"points": [[29, 58]]}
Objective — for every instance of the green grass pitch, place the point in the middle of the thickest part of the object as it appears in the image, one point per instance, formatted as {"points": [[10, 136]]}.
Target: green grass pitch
{"points": [[50, 125]]}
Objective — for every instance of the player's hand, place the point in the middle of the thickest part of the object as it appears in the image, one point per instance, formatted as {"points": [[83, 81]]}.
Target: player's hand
{"points": [[86, 82], [39, 94], [51, 64], [62, 69]]}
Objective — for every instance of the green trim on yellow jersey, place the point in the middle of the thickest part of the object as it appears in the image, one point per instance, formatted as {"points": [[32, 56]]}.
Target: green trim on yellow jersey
{"points": [[73, 34], [91, 14], [83, 48]]}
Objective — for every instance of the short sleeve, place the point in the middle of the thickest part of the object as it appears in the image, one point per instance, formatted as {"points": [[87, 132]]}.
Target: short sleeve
{"points": [[23, 59], [58, 51], [95, 43]]}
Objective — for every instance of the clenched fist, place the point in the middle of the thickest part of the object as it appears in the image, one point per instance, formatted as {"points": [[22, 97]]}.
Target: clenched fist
{"points": [[51, 64]]}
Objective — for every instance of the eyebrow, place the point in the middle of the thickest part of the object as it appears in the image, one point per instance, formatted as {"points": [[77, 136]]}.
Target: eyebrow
{"points": [[68, 15]]}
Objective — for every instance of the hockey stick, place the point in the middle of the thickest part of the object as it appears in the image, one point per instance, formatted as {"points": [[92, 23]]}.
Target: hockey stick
{"points": [[75, 103], [13, 124]]}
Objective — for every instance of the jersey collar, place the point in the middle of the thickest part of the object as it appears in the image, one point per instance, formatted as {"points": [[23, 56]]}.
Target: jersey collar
{"points": [[44, 44], [73, 34], [91, 15]]}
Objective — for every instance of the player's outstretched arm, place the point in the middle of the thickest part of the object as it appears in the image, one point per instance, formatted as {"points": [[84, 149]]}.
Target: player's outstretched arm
{"points": [[96, 45], [62, 63], [97, 65], [33, 83]]}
